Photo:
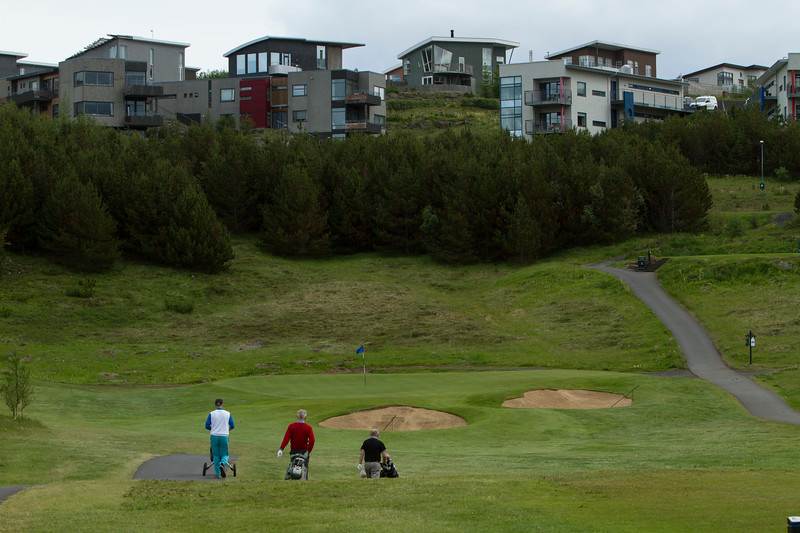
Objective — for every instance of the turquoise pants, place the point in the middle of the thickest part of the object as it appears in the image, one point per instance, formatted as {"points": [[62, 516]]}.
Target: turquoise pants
{"points": [[219, 451]]}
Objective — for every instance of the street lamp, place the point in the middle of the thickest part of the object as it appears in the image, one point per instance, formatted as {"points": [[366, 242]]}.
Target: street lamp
{"points": [[762, 165]]}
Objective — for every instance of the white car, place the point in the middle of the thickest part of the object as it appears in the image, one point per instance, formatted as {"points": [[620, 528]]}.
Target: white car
{"points": [[705, 102]]}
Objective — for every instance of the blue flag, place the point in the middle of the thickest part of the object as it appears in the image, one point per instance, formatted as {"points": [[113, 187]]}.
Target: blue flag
{"points": [[361, 349]]}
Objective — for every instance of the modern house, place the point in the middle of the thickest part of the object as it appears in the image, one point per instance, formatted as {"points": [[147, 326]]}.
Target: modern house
{"points": [[116, 79], [723, 78], [573, 91], [779, 88], [286, 83], [37, 91], [457, 64]]}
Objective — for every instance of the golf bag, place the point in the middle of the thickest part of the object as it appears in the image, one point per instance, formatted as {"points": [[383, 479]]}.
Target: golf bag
{"points": [[298, 466], [388, 469]]}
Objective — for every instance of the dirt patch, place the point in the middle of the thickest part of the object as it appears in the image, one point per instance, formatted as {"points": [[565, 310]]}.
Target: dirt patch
{"points": [[395, 418], [568, 399]]}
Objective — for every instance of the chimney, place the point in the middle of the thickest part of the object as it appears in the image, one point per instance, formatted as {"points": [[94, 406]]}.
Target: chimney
{"points": [[452, 33]]}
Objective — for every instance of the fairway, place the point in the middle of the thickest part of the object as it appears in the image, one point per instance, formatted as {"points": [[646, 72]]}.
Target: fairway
{"points": [[559, 463]]}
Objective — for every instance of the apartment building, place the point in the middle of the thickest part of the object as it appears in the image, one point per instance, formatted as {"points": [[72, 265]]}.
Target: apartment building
{"points": [[116, 79], [457, 64], [722, 78], [285, 83], [557, 94], [779, 88]]}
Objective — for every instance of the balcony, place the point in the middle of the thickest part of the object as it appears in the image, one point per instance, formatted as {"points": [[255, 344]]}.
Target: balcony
{"points": [[30, 97], [654, 101], [533, 127], [362, 99], [143, 91], [460, 69], [144, 121], [363, 126], [539, 98]]}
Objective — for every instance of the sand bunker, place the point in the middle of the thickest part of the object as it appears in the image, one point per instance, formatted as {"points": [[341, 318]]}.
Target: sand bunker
{"points": [[395, 418], [568, 399]]}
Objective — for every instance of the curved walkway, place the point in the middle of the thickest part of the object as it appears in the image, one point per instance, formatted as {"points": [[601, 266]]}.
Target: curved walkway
{"points": [[701, 355]]}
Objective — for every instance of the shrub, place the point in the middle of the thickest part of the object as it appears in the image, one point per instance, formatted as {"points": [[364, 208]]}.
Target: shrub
{"points": [[85, 289], [16, 386]]}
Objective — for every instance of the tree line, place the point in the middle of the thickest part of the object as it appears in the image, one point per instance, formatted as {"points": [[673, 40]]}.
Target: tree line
{"points": [[89, 195]]}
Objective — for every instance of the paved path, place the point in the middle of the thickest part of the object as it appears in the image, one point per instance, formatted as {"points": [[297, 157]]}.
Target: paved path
{"points": [[701, 355], [179, 467], [10, 490]]}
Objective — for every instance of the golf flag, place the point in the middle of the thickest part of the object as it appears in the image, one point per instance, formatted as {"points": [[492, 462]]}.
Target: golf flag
{"points": [[364, 360]]}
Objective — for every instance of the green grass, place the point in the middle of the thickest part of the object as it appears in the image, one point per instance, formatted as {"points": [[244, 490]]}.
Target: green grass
{"points": [[273, 335]]}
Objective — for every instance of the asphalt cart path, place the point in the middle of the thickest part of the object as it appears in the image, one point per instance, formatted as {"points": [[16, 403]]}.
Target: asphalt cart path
{"points": [[701, 355], [9, 490], [179, 467]]}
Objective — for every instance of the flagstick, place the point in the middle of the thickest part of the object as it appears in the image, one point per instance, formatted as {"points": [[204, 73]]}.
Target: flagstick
{"points": [[364, 359]]}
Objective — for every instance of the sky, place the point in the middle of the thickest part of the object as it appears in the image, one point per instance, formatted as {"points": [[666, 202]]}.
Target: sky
{"points": [[690, 35]]}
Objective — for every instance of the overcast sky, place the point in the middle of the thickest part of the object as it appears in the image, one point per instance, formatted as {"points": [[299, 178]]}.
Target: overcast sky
{"points": [[690, 35]]}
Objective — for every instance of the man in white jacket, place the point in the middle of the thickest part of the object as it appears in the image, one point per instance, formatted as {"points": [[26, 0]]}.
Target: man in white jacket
{"points": [[219, 422]]}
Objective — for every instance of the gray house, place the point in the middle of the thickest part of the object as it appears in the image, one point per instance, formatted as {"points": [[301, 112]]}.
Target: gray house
{"points": [[453, 63]]}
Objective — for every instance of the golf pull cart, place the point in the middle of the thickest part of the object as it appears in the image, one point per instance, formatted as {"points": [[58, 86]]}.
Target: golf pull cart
{"points": [[206, 466], [298, 466]]}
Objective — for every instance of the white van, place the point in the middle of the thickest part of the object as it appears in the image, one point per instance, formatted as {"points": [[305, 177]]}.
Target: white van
{"points": [[705, 102]]}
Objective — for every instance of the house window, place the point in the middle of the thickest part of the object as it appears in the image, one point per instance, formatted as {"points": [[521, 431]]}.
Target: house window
{"points": [[511, 105], [98, 109], [427, 80], [380, 120], [586, 61], [300, 115], [227, 95], [252, 65], [379, 91], [407, 66], [240, 64], [581, 88], [462, 64], [180, 66], [486, 62], [152, 62], [123, 51], [598, 93], [338, 89], [581, 120], [89, 77], [263, 66], [322, 62], [274, 58], [568, 60], [338, 119], [427, 59], [300, 90], [724, 79], [648, 71], [599, 123], [135, 78]]}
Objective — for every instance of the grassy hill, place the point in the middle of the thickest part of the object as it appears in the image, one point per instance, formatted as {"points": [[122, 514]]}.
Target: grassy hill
{"points": [[426, 113], [127, 364]]}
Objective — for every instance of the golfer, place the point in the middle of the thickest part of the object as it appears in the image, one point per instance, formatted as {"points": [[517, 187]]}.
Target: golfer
{"points": [[301, 437], [219, 422], [371, 452]]}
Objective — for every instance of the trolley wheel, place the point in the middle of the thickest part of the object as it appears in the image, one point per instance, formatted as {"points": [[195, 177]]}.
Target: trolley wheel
{"points": [[233, 468], [205, 468]]}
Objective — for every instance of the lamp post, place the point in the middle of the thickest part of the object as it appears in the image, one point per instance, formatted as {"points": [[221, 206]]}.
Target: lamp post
{"points": [[762, 165]]}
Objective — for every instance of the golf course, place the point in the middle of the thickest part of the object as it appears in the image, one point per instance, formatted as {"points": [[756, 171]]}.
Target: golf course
{"points": [[126, 365]]}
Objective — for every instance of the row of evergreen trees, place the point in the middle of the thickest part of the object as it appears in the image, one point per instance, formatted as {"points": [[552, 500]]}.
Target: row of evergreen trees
{"points": [[90, 194]]}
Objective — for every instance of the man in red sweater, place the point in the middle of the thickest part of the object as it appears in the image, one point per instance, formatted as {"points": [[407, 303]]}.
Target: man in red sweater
{"points": [[301, 436]]}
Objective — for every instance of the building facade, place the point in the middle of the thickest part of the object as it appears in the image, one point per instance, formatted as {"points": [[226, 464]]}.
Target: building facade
{"points": [[723, 78], [117, 80], [779, 88], [557, 95], [457, 64]]}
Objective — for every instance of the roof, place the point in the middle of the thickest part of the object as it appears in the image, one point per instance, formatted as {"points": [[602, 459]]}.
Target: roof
{"points": [[13, 54], [771, 71], [605, 45], [267, 37], [49, 70], [104, 40], [472, 40], [733, 65], [616, 72]]}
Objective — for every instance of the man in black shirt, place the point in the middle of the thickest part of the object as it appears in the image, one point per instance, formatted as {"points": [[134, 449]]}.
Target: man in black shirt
{"points": [[371, 452]]}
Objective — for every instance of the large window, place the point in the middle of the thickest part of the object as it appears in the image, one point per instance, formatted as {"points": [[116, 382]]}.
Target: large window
{"points": [[135, 108], [441, 59], [338, 89], [379, 91], [263, 66], [89, 77], [227, 95], [724, 79], [241, 65], [300, 115], [581, 120], [252, 66], [300, 90], [99, 109], [427, 59], [135, 78], [581, 88], [322, 61], [511, 105], [338, 119], [486, 61], [407, 66]]}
